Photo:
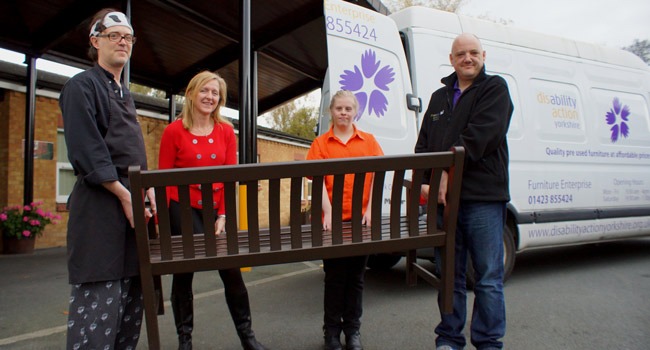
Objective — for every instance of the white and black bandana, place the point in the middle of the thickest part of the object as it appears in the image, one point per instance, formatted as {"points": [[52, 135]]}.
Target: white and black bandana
{"points": [[111, 19]]}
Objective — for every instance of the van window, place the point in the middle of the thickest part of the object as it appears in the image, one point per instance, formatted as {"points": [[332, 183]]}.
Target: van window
{"points": [[324, 118], [516, 129], [557, 111]]}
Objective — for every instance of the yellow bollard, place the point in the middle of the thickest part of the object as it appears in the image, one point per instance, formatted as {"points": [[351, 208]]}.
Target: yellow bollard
{"points": [[243, 212], [243, 217]]}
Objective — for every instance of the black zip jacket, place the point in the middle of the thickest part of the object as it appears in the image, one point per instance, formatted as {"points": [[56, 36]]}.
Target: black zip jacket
{"points": [[479, 122]]}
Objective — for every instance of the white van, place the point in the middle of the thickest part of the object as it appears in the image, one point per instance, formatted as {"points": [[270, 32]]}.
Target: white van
{"points": [[579, 138]]}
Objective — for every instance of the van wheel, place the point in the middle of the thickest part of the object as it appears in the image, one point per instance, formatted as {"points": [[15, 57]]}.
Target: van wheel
{"points": [[509, 252], [383, 262]]}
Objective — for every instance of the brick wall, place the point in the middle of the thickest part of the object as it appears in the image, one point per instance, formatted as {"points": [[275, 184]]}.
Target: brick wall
{"points": [[4, 146], [48, 118], [270, 152]]}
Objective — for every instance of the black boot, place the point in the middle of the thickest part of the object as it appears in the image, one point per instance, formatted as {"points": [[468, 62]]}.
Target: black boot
{"points": [[353, 340], [183, 308], [332, 339], [240, 311]]}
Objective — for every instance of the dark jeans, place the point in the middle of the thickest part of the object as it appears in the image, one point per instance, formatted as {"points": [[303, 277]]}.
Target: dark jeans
{"points": [[343, 297], [479, 233]]}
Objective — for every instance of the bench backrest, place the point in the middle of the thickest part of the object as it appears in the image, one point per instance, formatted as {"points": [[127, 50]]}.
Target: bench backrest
{"points": [[236, 240]]}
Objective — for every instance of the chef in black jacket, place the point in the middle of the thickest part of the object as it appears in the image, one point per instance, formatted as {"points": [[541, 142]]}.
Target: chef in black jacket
{"points": [[103, 138]]}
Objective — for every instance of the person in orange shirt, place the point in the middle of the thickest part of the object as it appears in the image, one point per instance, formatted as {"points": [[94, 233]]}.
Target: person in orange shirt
{"points": [[344, 276]]}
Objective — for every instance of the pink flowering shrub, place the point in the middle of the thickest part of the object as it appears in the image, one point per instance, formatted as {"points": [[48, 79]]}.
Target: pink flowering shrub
{"points": [[25, 222]]}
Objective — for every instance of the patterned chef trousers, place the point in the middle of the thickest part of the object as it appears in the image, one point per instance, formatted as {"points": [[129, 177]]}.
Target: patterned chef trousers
{"points": [[105, 315]]}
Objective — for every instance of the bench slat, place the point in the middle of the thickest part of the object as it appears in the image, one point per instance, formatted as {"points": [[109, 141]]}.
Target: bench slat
{"points": [[337, 207], [377, 196], [164, 228], [396, 203], [252, 215], [207, 195], [274, 212], [187, 225], [295, 218], [285, 237], [317, 207], [413, 199], [231, 225], [357, 205]]}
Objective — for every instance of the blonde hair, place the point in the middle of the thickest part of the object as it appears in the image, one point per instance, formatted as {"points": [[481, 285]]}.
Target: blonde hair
{"points": [[345, 93], [197, 82]]}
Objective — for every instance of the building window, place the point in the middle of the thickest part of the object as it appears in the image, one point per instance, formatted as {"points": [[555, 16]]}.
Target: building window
{"points": [[306, 189], [65, 178]]}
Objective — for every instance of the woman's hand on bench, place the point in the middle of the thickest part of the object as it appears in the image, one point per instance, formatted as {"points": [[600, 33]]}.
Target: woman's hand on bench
{"points": [[327, 220], [220, 225]]}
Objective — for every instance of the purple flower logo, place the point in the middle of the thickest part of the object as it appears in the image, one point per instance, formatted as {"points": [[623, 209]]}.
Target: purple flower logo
{"points": [[369, 78], [619, 127]]}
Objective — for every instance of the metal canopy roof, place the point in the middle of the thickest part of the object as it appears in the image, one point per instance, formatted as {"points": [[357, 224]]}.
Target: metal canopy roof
{"points": [[178, 38]]}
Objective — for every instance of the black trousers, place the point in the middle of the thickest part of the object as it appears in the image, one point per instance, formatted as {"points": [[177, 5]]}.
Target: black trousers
{"points": [[233, 283], [182, 283], [343, 297], [105, 315]]}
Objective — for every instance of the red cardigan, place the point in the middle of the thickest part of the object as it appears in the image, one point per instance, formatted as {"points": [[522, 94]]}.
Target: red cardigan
{"points": [[181, 149]]}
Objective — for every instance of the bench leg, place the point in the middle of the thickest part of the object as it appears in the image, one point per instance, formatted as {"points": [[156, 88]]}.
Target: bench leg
{"points": [[447, 279], [160, 299], [150, 310], [411, 272]]}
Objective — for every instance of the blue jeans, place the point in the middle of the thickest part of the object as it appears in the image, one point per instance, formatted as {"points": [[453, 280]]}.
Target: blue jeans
{"points": [[479, 233]]}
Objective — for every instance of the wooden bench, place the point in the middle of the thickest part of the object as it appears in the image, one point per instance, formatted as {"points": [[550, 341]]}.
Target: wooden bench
{"points": [[160, 253]]}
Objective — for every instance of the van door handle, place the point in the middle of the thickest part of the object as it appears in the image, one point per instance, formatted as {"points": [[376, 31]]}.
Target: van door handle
{"points": [[414, 103]]}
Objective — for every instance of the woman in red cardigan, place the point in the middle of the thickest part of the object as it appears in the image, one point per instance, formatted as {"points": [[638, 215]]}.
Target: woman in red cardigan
{"points": [[202, 137]]}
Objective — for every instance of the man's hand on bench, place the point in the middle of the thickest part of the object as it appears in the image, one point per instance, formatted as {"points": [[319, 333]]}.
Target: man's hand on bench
{"points": [[442, 192], [151, 212]]}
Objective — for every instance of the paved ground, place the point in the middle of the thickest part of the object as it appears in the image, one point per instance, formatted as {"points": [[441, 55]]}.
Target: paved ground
{"points": [[590, 297]]}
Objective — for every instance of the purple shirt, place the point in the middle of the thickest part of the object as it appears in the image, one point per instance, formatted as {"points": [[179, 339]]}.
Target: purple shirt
{"points": [[457, 93]]}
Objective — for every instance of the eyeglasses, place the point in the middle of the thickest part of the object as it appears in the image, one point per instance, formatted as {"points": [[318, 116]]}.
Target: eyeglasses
{"points": [[117, 37]]}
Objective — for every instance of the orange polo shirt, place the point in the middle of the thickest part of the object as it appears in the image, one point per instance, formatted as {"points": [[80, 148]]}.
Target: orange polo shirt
{"points": [[360, 144]]}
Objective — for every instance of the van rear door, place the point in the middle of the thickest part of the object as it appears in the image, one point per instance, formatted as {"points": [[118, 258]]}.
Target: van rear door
{"points": [[366, 57]]}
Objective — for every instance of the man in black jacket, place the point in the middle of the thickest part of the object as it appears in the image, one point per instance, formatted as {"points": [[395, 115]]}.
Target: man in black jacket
{"points": [[103, 138], [473, 110]]}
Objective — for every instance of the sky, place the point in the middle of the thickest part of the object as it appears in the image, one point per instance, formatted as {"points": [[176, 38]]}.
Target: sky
{"points": [[613, 23]]}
